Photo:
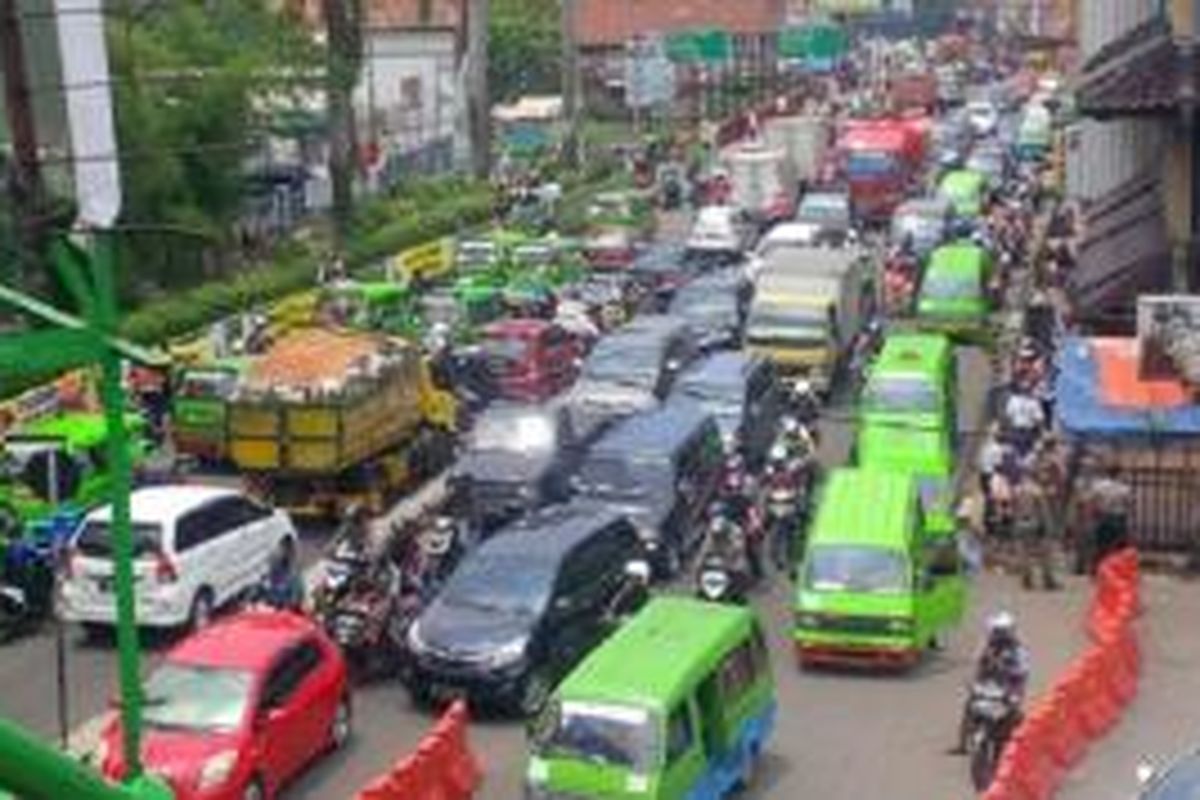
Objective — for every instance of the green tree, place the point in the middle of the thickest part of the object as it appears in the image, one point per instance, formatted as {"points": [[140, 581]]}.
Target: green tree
{"points": [[524, 47], [193, 79]]}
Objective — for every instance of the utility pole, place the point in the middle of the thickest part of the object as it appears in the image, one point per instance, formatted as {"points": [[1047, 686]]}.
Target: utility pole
{"points": [[571, 88], [343, 27], [479, 105], [25, 180]]}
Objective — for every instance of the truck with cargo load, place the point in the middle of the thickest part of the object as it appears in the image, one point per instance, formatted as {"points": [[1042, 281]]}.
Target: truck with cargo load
{"points": [[325, 419], [805, 317], [762, 180], [806, 144], [881, 159]]}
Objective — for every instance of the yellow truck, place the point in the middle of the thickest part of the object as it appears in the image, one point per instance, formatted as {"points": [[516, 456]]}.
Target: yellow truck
{"points": [[327, 418], [805, 320]]}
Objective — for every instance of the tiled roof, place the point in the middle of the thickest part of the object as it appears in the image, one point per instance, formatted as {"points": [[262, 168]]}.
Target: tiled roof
{"points": [[1139, 72], [399, 13], [612, 22]]}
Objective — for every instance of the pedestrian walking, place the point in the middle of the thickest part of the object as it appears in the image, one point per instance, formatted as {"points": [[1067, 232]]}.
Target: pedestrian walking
{"points": [[1108, 504], [1033, 527]]}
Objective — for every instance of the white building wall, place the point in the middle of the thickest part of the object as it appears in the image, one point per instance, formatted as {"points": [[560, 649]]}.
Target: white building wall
{"points": [[409, 94], [1101, 21], [1103, 155]]}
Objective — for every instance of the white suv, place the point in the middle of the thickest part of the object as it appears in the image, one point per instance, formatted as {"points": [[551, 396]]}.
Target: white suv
{"points": [[196, 548]]}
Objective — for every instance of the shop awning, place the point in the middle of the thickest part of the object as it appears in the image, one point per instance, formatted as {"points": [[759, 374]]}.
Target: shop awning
{"points": [[1125, 252], [1142, 71]]}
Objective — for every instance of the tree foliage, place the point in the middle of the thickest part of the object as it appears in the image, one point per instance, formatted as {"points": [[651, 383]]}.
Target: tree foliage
{"points": [[524, 47], [192, 79]]}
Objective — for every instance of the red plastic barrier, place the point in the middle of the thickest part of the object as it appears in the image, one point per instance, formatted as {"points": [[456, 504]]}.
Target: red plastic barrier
{"points": [[442, 768], [1087, 699]]}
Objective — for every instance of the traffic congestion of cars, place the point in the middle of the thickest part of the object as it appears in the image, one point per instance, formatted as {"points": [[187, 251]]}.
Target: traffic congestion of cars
{"points": [[634, 458]]}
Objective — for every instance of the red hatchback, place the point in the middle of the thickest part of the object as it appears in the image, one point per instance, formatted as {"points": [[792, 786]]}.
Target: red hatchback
{"points": [[239, 708], [531, 359]]}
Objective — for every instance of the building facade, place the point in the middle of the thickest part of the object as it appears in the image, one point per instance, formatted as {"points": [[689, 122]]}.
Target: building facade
{"points": [[1131, 161]]}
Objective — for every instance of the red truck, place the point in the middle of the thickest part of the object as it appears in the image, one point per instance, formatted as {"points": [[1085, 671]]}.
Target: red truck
{"points": [[880, 160]]}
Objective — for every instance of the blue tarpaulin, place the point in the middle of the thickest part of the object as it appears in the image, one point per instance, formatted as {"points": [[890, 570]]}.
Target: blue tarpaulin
{"points": [[1082, 411]]}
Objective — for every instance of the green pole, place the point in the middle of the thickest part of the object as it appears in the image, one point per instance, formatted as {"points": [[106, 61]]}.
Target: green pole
{"points": [[112, 396], [32, 770]]}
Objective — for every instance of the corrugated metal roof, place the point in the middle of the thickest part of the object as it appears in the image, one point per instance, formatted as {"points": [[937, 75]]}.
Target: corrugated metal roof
{"points": [[614, 22]]}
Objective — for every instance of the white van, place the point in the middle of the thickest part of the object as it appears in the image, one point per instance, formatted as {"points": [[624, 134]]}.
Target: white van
{"points": [[196, 548]]}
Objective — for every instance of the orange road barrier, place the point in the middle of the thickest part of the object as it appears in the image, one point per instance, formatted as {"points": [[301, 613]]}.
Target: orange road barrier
{"points": [[442, 768], [1087, 700]]}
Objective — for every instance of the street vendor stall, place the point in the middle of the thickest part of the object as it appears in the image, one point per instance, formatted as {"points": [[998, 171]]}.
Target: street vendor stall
{"points": [[1148, 429]]}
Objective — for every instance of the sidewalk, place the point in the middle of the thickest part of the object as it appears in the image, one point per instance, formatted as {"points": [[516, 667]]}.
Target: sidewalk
{"points": [[1164, 720]]}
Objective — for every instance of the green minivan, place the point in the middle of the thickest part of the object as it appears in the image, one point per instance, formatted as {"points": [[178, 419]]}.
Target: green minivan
{"points": [[677, 704], [966, 189], [873, 589], [912, 383], [927, 455], [953, 295]]}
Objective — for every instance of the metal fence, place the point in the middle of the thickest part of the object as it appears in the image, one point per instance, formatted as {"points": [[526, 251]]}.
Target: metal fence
{"points": [[1164, 474]]}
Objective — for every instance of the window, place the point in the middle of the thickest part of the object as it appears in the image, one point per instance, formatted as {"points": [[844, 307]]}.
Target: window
{"points": [[738, 671], [680, 734], [289, 673], [194, 529], [244, 511]]}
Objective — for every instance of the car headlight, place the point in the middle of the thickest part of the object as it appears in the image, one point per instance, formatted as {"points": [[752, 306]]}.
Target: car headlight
{"points": [[509, 653], [900, 625], [216, 770]]}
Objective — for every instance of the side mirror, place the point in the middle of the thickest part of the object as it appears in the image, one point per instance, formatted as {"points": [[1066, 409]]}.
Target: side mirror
{"points": [[266, 717]]}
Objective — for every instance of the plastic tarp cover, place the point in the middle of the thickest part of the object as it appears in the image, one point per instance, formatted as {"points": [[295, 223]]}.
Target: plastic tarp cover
{"points": [[1084, 408]]}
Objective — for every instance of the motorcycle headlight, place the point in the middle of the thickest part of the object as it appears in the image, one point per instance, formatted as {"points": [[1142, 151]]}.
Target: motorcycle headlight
{"points": [[216, 770], [508, 654], [713, 583]]}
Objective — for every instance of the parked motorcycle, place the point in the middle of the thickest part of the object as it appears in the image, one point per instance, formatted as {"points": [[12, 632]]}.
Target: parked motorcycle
{"points": [[992, 715], [370, 620], [26, 590]]}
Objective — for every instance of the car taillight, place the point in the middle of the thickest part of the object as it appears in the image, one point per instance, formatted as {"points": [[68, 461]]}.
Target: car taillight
{"points": [[164, 570]]}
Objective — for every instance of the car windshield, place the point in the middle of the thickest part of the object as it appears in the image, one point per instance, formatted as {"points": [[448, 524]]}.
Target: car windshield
{"points": [[213, 384], [623, 476], [921, 228], [790, 316], [95, 539], [503, 352], [866, 164], [901, 393], [616, 736], [703, 301], [196, 698], [823, 208], [846, 568], [950, 286], [621, 361], [516, 431], [512, 584]]}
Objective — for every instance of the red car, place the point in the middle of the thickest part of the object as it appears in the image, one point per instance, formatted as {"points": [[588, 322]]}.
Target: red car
{"points": [[239, 708], [531, 359]]}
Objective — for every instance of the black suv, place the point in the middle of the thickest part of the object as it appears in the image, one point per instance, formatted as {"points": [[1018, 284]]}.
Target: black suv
{"points": [[630, 370], [517, 458], [662, 467], [744, 395], [523, 609]]}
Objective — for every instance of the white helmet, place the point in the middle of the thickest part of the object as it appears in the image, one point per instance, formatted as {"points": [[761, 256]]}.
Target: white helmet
{"points": [[1002, 622]]}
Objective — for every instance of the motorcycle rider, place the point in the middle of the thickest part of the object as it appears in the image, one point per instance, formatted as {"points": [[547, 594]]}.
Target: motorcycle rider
{"points": [[633, 594], [282, 587], [786, 469], [1002, 660], [805, 401]]}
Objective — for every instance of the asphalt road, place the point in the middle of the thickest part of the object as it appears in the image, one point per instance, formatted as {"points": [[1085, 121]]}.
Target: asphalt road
{"points": [[840, 735]]}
